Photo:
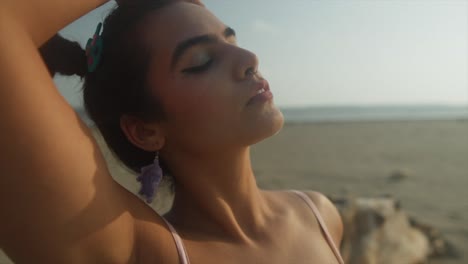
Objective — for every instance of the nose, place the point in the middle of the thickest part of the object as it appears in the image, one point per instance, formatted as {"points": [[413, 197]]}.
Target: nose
{"points": [[246, 64]]}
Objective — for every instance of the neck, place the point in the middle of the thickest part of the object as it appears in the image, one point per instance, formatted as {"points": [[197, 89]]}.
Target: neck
{"points": [[218, 195]]}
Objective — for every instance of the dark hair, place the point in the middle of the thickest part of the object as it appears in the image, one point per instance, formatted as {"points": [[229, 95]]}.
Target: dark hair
{"points": [[66, 65], [118, 86]]}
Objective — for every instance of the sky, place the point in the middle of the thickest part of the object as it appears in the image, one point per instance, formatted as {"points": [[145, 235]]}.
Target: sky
{"points": [[341, 52]]}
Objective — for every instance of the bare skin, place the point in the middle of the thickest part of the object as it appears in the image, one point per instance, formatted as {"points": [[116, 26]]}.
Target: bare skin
{"points": [[64, 209]]}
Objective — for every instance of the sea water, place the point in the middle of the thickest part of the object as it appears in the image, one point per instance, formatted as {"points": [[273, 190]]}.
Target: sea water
{"points": [[360, 113], [374, 113]]}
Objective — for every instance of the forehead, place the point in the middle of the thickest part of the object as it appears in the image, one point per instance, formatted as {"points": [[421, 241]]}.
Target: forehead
{"points": [[175, 23]]}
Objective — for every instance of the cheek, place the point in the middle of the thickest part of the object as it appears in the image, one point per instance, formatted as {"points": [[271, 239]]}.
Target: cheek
{"points": [[204, 107], [193, 103], [200, 122], [207, 96]]}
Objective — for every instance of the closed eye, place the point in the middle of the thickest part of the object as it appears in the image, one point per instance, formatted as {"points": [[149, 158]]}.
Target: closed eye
{"points": [[200, 68], [182, 47]]}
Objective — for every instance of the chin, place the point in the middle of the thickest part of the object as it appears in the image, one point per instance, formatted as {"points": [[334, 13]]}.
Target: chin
{"points": [[268, 124]]}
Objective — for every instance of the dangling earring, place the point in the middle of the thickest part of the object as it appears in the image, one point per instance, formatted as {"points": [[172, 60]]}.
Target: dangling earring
{"points": [[150, 178]]}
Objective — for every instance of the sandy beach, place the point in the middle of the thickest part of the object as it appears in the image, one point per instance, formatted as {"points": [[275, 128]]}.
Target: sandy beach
{"points": [[358, 157]]}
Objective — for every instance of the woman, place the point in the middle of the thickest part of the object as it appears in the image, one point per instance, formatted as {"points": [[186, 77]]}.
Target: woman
{"points": [[164, 79]]}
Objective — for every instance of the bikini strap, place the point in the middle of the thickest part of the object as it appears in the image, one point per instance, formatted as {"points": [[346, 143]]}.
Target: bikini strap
{"points": [[322, 224], [183, 256]]}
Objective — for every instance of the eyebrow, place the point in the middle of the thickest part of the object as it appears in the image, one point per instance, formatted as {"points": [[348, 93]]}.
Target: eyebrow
{"points": [[183, 46]]}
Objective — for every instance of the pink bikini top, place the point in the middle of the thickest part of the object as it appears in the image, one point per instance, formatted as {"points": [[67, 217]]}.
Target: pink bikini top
{"points": [[184, 259]]}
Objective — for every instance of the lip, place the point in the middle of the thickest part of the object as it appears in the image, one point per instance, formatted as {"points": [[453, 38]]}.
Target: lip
{"points": [[262, 97]]}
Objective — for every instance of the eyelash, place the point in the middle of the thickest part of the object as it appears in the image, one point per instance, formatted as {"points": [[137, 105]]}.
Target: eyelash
{"points": [[199, 69]]}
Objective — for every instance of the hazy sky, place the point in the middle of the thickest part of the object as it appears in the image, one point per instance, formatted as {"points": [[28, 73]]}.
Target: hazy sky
{"points": [[342, 52]]}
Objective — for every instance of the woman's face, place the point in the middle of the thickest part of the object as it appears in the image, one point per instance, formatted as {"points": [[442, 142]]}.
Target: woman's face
{"points": [[206, 83]]}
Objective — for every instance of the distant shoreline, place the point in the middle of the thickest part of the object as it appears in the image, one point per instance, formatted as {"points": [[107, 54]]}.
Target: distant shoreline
{"points": [[375, 113], [352, 114]]}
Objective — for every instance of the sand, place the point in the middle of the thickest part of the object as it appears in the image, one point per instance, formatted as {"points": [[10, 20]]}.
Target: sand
{"points": [[358, 158]]}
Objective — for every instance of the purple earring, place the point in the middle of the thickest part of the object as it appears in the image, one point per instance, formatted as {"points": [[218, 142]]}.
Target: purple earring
{"points": [[150, 178]]}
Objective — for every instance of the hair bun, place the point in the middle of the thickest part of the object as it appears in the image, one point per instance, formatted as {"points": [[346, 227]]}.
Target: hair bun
{"points": [[64, 56]]}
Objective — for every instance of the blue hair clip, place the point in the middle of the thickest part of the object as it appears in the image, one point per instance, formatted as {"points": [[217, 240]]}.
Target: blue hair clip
{"points": [[94, 49]]}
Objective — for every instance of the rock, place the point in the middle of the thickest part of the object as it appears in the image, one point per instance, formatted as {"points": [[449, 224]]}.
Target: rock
{"points": [[440, 247], [399, 175], [378, 231]]}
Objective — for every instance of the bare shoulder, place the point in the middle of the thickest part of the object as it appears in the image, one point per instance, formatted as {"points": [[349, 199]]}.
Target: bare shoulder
{"points": [[329, 213], [153, 240], [327, 209]]}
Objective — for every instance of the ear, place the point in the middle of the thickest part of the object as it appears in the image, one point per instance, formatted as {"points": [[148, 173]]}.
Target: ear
{"points": [[145, 135]]}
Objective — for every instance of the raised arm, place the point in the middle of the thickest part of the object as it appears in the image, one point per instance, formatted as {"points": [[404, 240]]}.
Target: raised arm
{"points": [[43, 18], [58, 203]]}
